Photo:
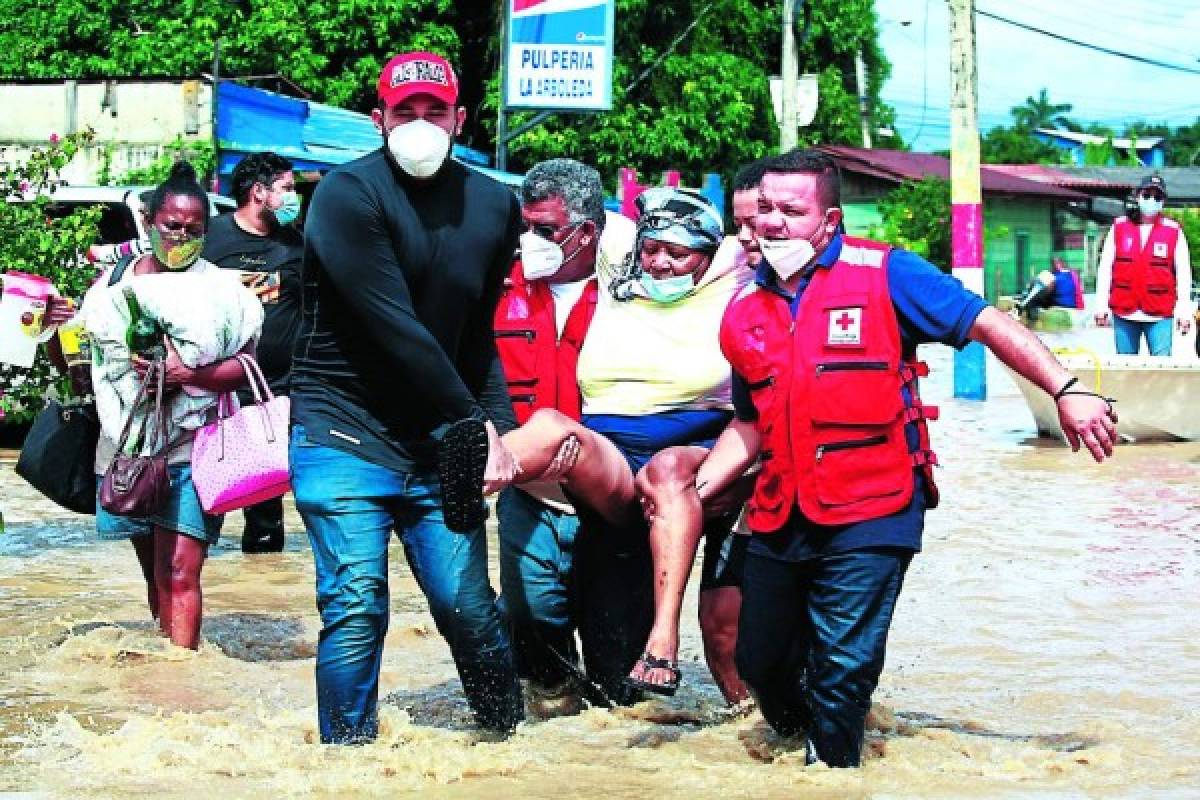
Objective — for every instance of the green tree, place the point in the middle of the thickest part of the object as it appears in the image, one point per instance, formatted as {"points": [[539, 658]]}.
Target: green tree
{"points": [[916, 216], [1003, 145], [1039, 112], [704, 107], [35, 239]]}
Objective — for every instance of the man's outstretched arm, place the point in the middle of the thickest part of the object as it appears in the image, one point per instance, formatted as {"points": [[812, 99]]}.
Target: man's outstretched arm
{"points": [[1086, 418]]}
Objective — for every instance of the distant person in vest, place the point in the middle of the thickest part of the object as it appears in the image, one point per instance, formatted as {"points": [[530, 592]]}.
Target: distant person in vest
{"points": [[261, 240], [555, 582], [1055, 287], [1145, 275], [825, 390]]}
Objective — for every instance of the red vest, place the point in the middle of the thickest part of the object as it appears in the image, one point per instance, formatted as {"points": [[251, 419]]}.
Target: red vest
{"points": [[538, 364], [1143, 278], [827, 389]]}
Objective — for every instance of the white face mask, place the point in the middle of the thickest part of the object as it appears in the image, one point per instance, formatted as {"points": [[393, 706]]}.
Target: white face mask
{"points": [[1150, 206], [667, 290], [787, 256], [540, 258], [419, 147]]}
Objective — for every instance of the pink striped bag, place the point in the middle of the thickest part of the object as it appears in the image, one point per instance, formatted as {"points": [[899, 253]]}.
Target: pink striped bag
{"points": [[241, 457]]}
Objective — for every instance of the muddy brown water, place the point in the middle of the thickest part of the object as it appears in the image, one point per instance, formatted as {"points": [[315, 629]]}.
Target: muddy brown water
{"points": [[1047, 644]]}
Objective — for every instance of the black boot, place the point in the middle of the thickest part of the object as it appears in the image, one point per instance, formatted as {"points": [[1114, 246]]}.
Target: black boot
{"points": [[264, 527]]}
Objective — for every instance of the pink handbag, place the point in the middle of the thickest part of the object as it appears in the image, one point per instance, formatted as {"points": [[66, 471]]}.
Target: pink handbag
{"points": [[241, 457]]}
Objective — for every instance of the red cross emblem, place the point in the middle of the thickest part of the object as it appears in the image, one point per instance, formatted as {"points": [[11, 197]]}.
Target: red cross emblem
{"points": [[845, 327]]}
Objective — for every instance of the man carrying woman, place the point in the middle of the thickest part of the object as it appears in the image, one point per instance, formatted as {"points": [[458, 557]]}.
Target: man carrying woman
{"points": [[651, 377]]}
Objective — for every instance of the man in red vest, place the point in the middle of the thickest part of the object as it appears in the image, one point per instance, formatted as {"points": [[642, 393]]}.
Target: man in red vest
{"points": [[556, 579], [1145, 275], [825, 390]]}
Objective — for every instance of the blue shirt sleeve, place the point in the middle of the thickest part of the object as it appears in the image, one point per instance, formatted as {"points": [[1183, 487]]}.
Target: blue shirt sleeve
{"points": [[931, 306], [743, 406]]}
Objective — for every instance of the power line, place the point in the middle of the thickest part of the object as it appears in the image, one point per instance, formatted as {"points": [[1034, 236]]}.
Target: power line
{"points": [[1088, 45]]}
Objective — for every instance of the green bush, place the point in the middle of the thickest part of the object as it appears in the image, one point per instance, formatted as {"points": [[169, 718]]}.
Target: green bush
{"points": [[1189, 220], [916, 216], [35, 240]]}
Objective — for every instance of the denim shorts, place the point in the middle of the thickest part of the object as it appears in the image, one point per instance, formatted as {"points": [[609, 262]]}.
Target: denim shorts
{"points": [[181, 513]]}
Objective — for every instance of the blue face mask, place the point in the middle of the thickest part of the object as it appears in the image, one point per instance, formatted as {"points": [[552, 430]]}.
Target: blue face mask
{"points": [[289, 209], [667, 290]]}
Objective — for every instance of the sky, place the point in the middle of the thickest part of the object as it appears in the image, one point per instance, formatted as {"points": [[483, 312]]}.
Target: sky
{"points": [[1015, 64]]}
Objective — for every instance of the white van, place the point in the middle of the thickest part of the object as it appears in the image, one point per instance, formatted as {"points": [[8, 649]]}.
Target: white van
{"points": [[121, 219]]}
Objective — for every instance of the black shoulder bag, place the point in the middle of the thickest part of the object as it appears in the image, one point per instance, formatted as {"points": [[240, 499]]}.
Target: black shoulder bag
{"points": [[58, 457]]}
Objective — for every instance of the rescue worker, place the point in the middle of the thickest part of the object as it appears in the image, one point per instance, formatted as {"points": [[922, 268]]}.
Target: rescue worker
{"points": [[825, 391], [1144, 277], [555, 579]]}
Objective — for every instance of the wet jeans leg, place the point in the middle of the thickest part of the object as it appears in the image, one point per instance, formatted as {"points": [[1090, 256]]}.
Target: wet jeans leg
{"points": [[615, 600], [536, 553], [772, 641], [851, 598], [451, 569], [349, 533]]}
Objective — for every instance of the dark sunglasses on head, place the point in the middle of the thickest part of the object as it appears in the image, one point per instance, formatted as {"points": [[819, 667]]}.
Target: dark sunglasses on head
{"points": [[660, 221]]}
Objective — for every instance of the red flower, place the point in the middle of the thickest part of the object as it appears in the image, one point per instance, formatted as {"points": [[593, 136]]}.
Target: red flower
{"points": [[54, 138]]}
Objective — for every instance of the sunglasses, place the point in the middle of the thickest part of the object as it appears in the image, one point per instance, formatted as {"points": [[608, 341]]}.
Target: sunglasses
{"points": [[548, 232], [1152, 194]]}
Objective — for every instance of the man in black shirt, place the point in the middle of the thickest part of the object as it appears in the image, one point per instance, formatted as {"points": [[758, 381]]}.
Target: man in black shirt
{"points": [[405, 253], [260, 240]]}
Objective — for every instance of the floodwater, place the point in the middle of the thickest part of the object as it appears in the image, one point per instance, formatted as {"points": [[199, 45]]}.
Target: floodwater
{"points": [[1047, 645]]}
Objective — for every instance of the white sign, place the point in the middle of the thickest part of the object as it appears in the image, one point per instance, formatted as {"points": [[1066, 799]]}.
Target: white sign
{"points": [[806, 99], [559, 55]]}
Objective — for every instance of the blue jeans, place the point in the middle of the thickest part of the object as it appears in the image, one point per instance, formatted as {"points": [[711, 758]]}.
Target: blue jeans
{"points": [[812, 636], [350, 508], [561, 574], [537, 545], [1128, 335]]}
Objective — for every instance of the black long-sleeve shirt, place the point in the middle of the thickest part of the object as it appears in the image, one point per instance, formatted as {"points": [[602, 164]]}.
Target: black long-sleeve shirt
{"points": [[401, 279]]}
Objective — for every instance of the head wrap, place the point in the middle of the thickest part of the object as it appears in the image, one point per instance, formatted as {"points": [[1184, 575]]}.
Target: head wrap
{"points": [[679, 217]]}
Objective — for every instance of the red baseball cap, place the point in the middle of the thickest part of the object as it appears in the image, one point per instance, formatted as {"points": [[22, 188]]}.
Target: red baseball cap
{"points": [[417, 73]]}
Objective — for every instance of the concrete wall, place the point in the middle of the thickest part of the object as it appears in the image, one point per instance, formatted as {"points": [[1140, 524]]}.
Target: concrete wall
{"points": [[132, 120]]}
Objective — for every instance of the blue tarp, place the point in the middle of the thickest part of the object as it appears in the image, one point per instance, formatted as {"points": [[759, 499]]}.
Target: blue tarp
{"points": [[313, 136]]}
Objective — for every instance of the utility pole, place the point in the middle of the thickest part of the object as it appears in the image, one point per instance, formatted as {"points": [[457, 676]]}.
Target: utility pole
{"points": [[966, 197], [502, 136], [864, 108], [791, 77], [216, 140]]}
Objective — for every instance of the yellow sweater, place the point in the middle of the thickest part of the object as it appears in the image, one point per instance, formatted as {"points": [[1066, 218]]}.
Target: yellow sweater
{"points": [[642, 357]]}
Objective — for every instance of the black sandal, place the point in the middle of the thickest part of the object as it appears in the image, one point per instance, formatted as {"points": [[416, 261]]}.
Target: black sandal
{"points": [[461, 461], [649, 661]]}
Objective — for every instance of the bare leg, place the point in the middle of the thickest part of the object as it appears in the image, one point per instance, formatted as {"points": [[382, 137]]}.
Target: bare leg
{"points": [[668, 482], [177, 565], [144, 547], [719, 609], [600, 478]]}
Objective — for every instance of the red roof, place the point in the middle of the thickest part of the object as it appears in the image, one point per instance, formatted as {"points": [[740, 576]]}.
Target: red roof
{"points": [[1056, 177], [899, 166]]}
